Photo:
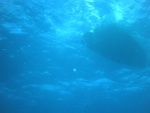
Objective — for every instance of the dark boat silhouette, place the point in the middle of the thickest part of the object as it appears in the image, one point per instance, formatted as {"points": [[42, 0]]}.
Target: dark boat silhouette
{"points": [[115, 43]]}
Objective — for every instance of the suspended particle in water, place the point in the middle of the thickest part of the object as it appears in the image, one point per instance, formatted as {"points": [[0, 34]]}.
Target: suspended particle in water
{"points": [[74, 69]]}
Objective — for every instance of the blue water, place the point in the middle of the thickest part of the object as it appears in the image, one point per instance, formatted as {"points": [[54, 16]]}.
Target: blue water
{"points": [[45, 68]]}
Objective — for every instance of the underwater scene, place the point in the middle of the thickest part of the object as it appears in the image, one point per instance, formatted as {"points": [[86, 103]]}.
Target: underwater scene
{"points": [[74, 56]]}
